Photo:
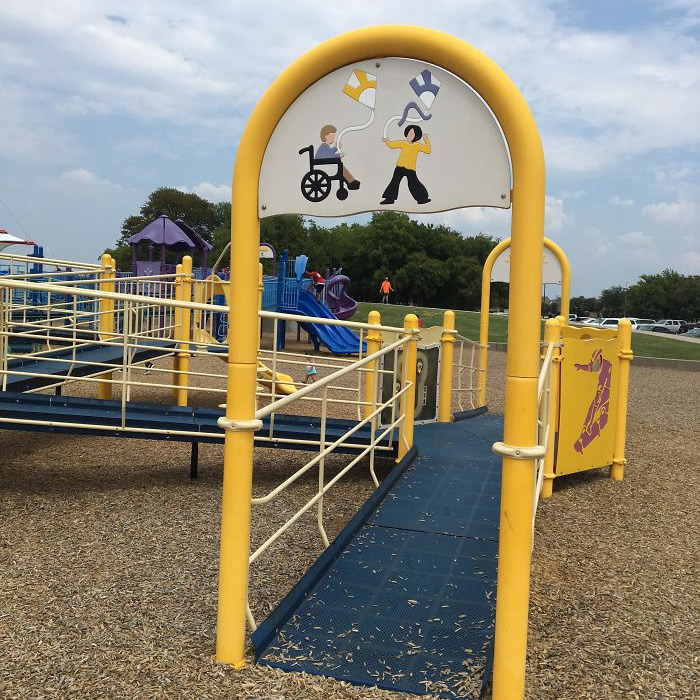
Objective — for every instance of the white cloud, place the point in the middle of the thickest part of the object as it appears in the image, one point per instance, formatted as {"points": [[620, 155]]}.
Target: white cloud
{"points": [[213, 193], [621, 202], [635, 239], [554, 216], [82, 176], [681, 212]]}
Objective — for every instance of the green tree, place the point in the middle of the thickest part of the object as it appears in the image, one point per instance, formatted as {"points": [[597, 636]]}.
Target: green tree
{"points": [[613, 301]]}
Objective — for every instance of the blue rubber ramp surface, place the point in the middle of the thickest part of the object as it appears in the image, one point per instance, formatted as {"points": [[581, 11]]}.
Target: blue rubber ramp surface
{"points": [[409, 603]]}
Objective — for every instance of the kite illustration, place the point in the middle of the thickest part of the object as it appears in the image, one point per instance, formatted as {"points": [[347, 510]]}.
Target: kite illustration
{"points": [[597, 416], [426, 87], [316, 184]]}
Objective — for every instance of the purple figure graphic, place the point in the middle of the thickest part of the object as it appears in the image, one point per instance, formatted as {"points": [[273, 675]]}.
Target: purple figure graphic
{"points": [[597, 416]]}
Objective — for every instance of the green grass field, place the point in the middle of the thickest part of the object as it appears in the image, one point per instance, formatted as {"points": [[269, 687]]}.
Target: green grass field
{"points": [[467, 323]]}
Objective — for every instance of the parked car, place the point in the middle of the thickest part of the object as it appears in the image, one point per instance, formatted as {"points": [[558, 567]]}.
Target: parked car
{"points": [[608, 322], [642, 324], [693, 333], [667, 325], [591, 321]]}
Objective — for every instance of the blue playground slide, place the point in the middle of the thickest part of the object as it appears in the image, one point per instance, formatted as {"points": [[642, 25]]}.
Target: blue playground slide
{"points": [[338, 339]]}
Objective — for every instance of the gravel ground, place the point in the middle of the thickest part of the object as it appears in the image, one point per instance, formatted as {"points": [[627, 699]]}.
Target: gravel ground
{"points": [[109, 556]]}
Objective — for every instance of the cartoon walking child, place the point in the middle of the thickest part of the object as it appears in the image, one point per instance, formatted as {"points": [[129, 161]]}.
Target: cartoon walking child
{"points": [[328, 149], [406, 165], [597, 416]]}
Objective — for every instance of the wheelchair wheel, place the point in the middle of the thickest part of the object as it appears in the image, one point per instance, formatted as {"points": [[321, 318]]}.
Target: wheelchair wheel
{"points": [[315, 185], [341, 193]]}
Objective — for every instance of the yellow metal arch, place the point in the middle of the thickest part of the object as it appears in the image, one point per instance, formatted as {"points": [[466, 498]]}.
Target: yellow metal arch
{"points": [[527, 197], [486, 302]]}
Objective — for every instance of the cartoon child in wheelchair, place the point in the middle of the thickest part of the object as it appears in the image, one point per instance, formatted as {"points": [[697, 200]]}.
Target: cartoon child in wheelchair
{"points": [[316, 184]]}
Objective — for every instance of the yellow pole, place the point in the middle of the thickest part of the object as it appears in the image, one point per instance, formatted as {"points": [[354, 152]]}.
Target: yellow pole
{"points": [[185, 330], [565, 278], [408, 375], [484, 317], [177, 331], [374, 343], [105, 323], [624, 332], [243, 341], [552, 334], [446, 365]]}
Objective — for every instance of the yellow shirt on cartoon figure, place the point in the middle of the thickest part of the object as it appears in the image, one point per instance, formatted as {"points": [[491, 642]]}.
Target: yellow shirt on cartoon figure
{"points": [[409, 152]]}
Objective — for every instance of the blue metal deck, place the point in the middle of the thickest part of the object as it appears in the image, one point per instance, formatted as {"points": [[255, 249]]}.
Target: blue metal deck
{"points": [[55, 363], [17, 406], [405, 597]]}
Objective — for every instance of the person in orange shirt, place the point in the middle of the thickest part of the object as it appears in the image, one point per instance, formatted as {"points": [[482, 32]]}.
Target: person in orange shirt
{"points": [[385, 288], [406, 166]]}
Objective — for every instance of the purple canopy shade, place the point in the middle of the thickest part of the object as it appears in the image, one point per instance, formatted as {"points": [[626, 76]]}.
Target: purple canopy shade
{"points": [[168, 235], [163, 231]]}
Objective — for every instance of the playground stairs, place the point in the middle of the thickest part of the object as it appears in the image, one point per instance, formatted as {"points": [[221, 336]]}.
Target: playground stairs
{"points": [[404, 598]]}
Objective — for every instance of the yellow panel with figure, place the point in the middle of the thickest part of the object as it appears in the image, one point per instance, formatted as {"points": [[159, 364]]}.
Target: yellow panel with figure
{"points": [[588, 399]]}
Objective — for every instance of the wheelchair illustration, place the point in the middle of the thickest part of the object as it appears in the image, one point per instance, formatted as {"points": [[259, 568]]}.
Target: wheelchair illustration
{"points": [[316, 184]]}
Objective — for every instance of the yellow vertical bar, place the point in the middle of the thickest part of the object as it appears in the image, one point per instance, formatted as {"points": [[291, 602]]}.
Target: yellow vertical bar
{"points": [[520, 421], [624, 332], [243, 340], [565, 278], [410, 324], [484, 317], [177, 330], [185, 330], [552, 334], [374, 343], [105, 322], [446, 365]]}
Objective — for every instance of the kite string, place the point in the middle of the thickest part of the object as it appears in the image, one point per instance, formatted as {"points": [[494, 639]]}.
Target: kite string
{"points": [[353, 128], [398, 118]]}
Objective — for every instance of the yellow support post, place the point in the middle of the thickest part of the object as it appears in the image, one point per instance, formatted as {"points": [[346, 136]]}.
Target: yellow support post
{"points": [[374, 344], [177, 323], [624, 331], [446, 366], [552, 334], [565, 279], [185, 329], [408, 376], [484, 317], [105, 323]]}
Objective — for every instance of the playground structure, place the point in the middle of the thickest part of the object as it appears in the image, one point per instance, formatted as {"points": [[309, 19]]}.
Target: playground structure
{"points": [[597, 428], [446, 547]]}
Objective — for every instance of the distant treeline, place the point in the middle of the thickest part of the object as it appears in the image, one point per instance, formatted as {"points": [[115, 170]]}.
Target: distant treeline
{"points": [[428, 265]]}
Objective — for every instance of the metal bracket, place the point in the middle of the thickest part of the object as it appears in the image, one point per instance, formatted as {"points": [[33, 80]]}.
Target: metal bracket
{"points": [[535, 452], [238, 426]]}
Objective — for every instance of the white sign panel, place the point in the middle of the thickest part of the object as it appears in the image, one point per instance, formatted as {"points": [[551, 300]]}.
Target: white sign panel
{"points": [[551, 269], [266, 251], [389, 133]]}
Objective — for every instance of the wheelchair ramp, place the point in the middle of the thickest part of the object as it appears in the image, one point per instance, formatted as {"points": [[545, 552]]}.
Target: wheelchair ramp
{"points": [[405, 599]]}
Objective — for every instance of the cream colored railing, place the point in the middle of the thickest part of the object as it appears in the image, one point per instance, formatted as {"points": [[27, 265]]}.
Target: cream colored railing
{"points": [[469, 368]]}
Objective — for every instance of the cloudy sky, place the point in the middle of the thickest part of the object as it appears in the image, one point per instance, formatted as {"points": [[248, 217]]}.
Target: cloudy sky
{"points": [[102, 102]]}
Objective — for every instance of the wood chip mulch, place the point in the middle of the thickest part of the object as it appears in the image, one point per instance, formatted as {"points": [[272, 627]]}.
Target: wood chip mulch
{"points": [[109, 559]]}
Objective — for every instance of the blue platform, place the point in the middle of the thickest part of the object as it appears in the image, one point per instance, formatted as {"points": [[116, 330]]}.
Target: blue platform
{"points": [[405, 597]]}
